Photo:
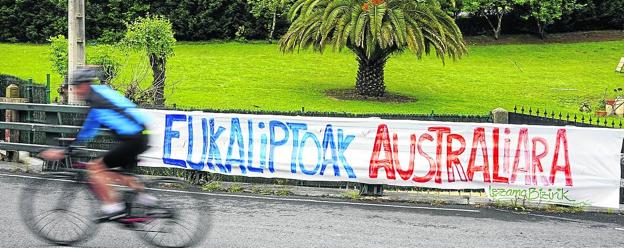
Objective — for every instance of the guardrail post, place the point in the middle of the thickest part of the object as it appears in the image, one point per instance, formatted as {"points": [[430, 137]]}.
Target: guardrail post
{"points": [[371, 189], [48, 89], [12, 95], [622, 174], [500, 116]]}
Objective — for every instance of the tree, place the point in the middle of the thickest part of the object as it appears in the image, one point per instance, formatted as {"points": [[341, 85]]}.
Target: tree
{"points": [[32, 20], [452, 7], [613, 11], [546, 12], [153, 35], [269, 9], [106, 56], [492, 10], [373, 30]]}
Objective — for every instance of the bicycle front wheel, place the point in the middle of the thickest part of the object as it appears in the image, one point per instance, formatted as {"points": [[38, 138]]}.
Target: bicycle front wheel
{"points": [[60, 212], [183, 221]]}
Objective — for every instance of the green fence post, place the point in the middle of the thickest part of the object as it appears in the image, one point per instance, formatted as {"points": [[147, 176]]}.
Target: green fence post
{"points": [[48, 88]]}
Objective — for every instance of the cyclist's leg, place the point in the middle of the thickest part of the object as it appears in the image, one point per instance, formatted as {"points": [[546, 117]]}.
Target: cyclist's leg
{"points": [[99, 178], [126, 180], [126, 156]]}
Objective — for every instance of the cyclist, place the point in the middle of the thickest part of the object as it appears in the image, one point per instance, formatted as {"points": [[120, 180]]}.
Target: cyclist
{"points": [[111, 110]]}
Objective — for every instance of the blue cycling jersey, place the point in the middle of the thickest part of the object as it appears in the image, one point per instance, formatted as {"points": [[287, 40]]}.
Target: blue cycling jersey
{"points": [[111, 110]]}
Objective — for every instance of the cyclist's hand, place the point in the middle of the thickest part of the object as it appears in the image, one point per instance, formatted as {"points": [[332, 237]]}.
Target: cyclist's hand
{"points": [[53, 154]]}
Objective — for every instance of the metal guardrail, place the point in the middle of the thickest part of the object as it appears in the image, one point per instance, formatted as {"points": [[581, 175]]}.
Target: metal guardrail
{"points": [[45, 108], [39, 127], [54, 129]]}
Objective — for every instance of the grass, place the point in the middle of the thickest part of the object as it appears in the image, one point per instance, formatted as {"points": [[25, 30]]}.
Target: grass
{"points": [[212, 186], [564, 209], [235, 188], [352, 194], [557, 77], [283, 192]]}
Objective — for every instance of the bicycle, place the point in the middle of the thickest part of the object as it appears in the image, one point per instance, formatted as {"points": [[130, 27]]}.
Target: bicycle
{"points": [[61, 223]]}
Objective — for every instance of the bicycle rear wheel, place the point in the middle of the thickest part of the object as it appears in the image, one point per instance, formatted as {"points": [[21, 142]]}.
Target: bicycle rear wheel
{"points": [[180, 222], [59, 211]]}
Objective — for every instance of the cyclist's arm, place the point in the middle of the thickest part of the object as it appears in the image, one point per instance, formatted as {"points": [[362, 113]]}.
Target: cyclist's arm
{"points": [[89, 129]]}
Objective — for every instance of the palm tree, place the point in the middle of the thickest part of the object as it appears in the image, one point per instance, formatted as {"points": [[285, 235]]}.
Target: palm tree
{"points": [[373, 30]]}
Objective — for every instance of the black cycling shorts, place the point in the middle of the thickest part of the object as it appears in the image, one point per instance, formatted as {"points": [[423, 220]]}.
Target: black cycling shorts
{"points": [[125, 154]]}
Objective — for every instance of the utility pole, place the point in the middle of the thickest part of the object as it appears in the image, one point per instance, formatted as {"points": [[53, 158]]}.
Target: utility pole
{"points": [[76, 40]]}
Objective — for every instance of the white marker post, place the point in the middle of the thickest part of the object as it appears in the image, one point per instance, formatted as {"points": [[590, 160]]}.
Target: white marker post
{"points": [[76, 43]]}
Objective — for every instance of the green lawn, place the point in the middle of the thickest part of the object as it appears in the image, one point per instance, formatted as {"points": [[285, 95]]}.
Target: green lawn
{"points": [[258, 77]]}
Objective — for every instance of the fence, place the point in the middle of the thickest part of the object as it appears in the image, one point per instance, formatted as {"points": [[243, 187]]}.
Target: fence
{"points": [[51, 127], [543, 117], [32, 93]]}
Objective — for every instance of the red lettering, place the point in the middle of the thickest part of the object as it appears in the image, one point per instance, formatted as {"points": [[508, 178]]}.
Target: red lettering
{"points": [[507, 155], [382, 139], [523, 141], [497, 178], [452, 157], [561, 138], [432, 163], [479, 139], [537, 160], [440, 131], [404, 174]]}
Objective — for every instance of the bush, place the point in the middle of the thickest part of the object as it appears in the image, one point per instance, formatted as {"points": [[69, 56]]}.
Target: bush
{"points": [[212, 186], [107, 56], [58, 54], [235, 188]]}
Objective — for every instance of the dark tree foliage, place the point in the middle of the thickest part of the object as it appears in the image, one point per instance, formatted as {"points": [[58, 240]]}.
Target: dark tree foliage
{"points": [[31, 20], [37, 20]]}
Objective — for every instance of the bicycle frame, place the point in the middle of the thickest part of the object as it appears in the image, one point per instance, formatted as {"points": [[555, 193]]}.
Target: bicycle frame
{"points": [[79, 173]]}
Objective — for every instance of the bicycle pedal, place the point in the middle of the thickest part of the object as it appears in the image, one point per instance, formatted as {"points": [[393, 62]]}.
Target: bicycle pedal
{"points": [[110, 218]]}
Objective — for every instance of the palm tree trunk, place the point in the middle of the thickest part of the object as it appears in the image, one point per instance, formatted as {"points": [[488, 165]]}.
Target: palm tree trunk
{"points": [[158, 65], [370, 77]]}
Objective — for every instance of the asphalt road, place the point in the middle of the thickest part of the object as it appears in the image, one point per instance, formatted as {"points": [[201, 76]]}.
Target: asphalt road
{"points": [[253, 221]]}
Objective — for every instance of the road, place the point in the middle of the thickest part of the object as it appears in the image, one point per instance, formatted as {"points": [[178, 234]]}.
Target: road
{"points": [[255, 221]]}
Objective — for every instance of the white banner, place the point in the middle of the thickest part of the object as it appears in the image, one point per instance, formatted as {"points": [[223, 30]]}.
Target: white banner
{"points": [[562, 165]]}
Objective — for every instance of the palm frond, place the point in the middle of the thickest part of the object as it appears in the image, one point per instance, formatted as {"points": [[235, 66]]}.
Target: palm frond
{"points": [[373, 28]]}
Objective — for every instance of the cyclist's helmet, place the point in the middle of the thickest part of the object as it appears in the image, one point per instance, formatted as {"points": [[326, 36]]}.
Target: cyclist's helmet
{"points": [[83, 75]]}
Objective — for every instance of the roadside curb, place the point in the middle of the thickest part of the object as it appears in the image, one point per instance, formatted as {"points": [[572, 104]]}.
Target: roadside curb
{"points": [[432, 197], [421, 197]]}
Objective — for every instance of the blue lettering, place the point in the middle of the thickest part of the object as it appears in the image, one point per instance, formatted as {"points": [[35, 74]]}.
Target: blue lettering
{"points": [[236, 136], [275, 143], [169, 135], [295, 127], [328, 142], [199, 165], [343, 144], [263, 148], [306, 137], [214, 152], [250, 166]]}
